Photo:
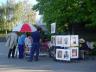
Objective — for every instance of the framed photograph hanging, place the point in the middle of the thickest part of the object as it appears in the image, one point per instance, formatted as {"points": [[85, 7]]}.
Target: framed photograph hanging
{"points": [[74, 52], [66, 41], [59, 54], [59, 40], [53, 27], [66, 54], [53, 40], [74, 40]]}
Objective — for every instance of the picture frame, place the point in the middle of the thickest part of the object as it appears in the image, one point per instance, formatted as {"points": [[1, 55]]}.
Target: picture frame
{"points": [[59, 54], [59, 40], [66, 41], [74, 52], [66, 54], [74, 40], [53, 40], [53, 27]]}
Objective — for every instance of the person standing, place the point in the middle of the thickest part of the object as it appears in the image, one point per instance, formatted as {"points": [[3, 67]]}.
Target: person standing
{"points": [[21, 40], [11, 43], [28, 43], [35, 45], [83, 48]]}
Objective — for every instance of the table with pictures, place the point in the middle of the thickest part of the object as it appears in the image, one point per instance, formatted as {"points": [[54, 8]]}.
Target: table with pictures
{"points": [[67, 46]]}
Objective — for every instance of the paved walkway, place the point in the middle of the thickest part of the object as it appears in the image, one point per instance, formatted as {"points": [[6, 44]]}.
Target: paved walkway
{"points": [[44, 65]]}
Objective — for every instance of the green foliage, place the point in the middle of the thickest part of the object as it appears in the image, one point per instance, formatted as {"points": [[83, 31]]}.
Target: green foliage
{"points": [[5, 11], [67, 11]]}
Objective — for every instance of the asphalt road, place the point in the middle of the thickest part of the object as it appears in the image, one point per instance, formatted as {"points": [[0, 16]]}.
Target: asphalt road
{"points": [[45, 64]]}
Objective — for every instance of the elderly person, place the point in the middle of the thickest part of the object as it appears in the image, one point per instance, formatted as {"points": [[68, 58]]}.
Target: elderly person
{"points": [[11, 43], [83, 48]]}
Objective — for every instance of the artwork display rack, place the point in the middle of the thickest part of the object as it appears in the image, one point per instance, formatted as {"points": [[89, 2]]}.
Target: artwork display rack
{"points": [[67, 47]]}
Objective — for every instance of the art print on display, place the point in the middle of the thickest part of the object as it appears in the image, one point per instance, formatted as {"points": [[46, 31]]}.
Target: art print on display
{"points": [[59, 40], [53, 27], [74, 40], [59, 54], [66, 41], [74, 52], [53, 40], [66, 54]]}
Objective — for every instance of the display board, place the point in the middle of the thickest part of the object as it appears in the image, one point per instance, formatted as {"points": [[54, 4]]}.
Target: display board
{"points": [[70, 44]]}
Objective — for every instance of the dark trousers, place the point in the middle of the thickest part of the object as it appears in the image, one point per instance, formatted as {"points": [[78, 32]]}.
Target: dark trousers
{"points": [[34, 49], [11, 51], [21, 51]]}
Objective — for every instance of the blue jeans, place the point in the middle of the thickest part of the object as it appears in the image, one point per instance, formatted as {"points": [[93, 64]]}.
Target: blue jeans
{"points": [[35, 49], [21, 51]]}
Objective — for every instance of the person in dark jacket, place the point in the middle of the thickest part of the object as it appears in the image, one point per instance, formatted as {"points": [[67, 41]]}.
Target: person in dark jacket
{"points": [[83, 48], [35, 45], [83, 45]]}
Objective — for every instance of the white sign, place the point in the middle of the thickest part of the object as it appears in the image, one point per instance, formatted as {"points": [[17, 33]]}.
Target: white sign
{"points": [[53, 27]]}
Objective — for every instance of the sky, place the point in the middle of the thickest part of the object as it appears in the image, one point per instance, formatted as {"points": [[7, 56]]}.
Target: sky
{"points": [[31, 1], [4, 1]]}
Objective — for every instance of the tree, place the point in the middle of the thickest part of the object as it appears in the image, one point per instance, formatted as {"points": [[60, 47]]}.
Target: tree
{"points": [[12, 14], [2, 17], [70, 12]]}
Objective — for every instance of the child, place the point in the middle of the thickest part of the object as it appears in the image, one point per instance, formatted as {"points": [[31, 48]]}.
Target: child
{"points": [[28, 43]]}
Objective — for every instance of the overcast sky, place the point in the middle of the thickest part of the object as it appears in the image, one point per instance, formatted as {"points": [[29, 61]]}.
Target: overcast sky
{"points": [[31, 1]]}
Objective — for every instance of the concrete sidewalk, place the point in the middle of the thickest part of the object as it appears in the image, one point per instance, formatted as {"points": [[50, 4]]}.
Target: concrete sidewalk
{"points": [[45, 64]]}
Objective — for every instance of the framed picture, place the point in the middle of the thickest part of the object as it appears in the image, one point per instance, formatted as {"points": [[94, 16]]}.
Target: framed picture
{"points": [[59, 41], [53, 40], [66, 54], [53, 27], [59, 54], [74, 52], [66, 41], [74, 40]]}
